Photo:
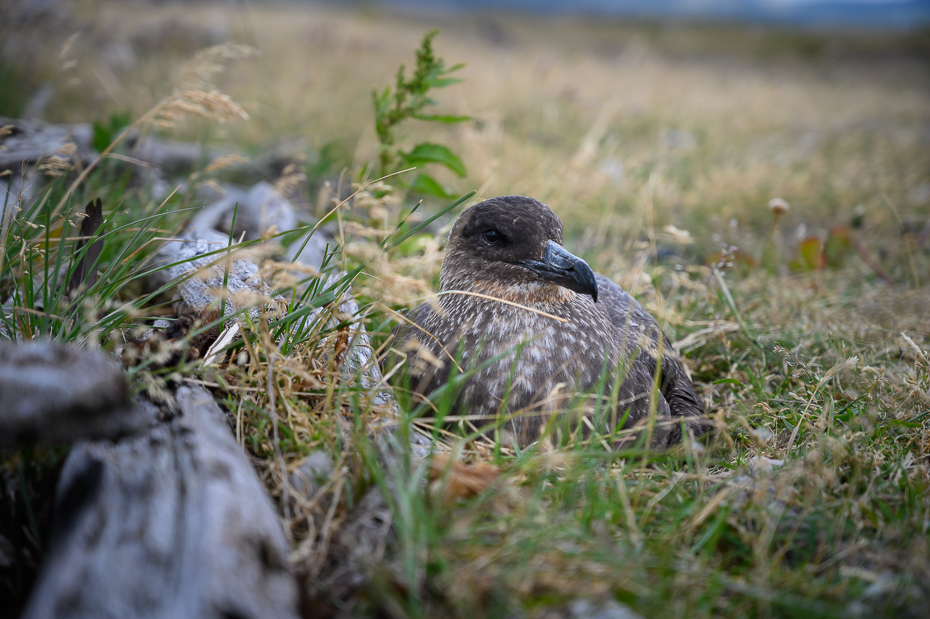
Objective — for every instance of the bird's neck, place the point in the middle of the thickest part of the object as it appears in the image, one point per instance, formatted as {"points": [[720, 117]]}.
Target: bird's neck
{"points": [[535, 294]]}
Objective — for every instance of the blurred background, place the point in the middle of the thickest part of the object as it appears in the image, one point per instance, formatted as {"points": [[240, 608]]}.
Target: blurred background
{"points": [[624, 116], [829, 13]]}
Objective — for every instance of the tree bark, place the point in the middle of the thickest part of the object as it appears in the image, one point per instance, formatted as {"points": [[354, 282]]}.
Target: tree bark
{"points": [[172, 522], [58, 394]]}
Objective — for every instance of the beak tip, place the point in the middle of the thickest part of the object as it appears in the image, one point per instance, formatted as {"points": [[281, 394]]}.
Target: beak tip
{"points": [[560, 267]]}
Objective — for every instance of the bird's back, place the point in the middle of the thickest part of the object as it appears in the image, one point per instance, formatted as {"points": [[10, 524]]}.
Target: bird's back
{"points": [[640, 334]]}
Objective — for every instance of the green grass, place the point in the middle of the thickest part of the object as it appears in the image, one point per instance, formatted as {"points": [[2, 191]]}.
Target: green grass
{"points": [[825, 370], [840, 527]]}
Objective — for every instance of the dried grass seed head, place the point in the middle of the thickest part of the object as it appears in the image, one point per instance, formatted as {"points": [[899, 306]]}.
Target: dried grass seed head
{"points": [[61, 160], [212, 104], [290, 180], [203, 68]]}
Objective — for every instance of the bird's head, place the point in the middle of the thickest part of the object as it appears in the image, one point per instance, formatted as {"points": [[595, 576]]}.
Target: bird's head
{"points": [[511, 247]]}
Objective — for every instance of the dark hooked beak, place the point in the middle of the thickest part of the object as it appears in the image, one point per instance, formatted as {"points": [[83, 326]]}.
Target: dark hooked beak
{"points": [[560, 266]]}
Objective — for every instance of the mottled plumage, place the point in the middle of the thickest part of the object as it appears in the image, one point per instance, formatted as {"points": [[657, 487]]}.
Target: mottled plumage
{"points": [[510, 248]]}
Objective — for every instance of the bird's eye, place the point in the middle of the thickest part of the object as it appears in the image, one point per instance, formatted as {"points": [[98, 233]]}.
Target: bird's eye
{"points": [[493, 236]]}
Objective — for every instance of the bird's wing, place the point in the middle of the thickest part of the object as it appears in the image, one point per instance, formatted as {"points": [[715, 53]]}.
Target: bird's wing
{"points": [[639, 333]]}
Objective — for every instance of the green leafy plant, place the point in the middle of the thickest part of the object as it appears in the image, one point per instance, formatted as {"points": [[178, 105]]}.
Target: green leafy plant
{"points": [[407, 100], [106, 133]]}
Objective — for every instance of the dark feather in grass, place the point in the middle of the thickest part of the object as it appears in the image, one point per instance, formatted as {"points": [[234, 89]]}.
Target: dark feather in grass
{"points": [[85, 273]]}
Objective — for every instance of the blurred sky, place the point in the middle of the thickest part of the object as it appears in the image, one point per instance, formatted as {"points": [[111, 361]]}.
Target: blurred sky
{"points": [[855, 13]]}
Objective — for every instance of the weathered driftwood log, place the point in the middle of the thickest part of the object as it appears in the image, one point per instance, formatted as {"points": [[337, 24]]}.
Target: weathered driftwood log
{"points": [[172, 522], [171, 156], [336, 569], [204, 289], [358, 547], [260, 207], [33, 140], [58, 394], [362, 365], [245, 287]]}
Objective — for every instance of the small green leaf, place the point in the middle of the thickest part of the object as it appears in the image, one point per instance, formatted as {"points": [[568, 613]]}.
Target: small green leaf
{"points": [[105, 133], [413, 245], [442, 82], [102, 138], [434, 153], [904, 424], [443, 118], [428, 185]]}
